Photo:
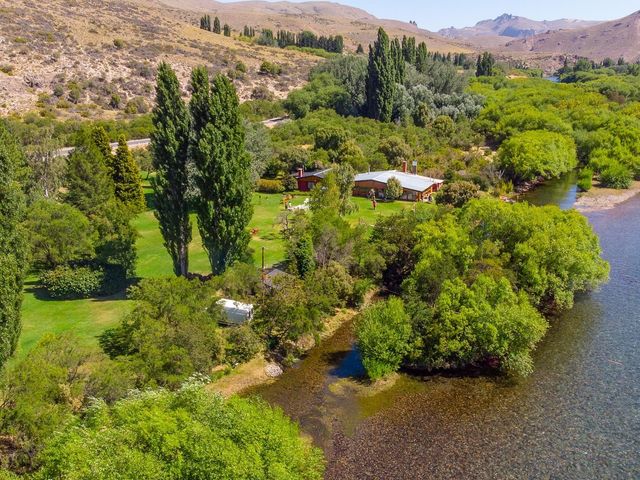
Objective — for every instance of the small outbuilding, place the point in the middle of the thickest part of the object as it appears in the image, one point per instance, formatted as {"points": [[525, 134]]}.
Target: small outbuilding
{"points": [[234, 312]]}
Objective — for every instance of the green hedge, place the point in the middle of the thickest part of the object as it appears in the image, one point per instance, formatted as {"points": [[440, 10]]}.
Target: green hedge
{"points": [[265, 185]]}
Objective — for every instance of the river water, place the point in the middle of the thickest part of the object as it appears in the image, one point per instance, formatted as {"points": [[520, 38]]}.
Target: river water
{"points": [[576, 417]]}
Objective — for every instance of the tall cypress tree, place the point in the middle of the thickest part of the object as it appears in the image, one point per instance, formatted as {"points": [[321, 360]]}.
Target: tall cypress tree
{"points": [[126, 178], [380, 79], [13, 248], [227, 30], [216, 25], [222, 169], [169, 149]]}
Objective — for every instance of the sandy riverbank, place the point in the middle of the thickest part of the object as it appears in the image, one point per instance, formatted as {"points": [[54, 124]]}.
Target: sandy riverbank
{"points": [[598, 198]]}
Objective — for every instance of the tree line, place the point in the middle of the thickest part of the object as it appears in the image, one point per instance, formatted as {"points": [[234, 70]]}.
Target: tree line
{"points": [[205, 24]]}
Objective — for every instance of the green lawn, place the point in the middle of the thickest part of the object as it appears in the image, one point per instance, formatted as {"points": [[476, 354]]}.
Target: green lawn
{"points": [[88, 318]]}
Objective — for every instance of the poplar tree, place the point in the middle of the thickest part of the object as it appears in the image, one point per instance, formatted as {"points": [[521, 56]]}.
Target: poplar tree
{"points": [[169, 150], [222, 169], [398, 61], [409, 49], [216, 25], [126, 178], [380, 79], [13, 247], [422, 58], [227, 30]]}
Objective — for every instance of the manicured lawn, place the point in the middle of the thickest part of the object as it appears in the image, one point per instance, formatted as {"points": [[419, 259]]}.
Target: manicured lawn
{"points": [[88, 318]]}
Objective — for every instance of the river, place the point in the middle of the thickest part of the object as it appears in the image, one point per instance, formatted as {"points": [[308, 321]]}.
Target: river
{"points": [[576, 417]]}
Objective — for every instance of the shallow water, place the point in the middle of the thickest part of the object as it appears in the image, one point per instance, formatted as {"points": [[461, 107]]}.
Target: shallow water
{"points": [[576, 417]]}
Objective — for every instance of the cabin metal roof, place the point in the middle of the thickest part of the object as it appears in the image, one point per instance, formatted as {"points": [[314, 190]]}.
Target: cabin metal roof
{"points": [[409, 181]]}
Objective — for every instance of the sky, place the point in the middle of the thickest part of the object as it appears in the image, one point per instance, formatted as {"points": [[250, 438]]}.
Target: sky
{"points": [[436, 14]]}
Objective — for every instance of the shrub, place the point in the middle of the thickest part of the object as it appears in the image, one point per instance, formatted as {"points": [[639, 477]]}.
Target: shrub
{"points": [[242, 344], [393, 190], [118, 43], [190, 433], [383, 332], [289, 183], [585, 179], [66, 282], [269, 68], [7, 69], [616, 176], [136, 105], [269, 186], [457, 193]]}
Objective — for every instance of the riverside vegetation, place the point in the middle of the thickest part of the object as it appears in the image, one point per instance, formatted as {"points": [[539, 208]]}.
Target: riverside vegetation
{"points": [[470, 281]]}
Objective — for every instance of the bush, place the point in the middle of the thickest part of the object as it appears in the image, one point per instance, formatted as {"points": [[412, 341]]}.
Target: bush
{"points": [[616, 176], [383, 332], [242, 344], [269, 68], [393, 190], [190, 433], [118, 43], [68, 283], [585, 179], [269, 186], [289, 183], [457, 193]]}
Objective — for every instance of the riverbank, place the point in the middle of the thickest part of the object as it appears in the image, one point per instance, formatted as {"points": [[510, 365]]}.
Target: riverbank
{"points": [[598, 198], [256, 372]]}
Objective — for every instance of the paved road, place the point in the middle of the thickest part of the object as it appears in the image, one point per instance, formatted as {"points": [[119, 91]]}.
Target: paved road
{"points": [[144, 142]]}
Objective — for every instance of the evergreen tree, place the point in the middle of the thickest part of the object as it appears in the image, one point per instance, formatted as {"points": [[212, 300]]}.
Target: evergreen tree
{"points": [[169, 148], [398, 61], [101, 140], [380, 79], [87, 180], [222, 169], [227, 30], [126, 178], [216, 25], [359, 50], [13, 247], [485, 65]]}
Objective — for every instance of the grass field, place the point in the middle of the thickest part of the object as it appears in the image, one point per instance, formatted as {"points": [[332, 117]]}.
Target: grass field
{"points": [[88, 318]]}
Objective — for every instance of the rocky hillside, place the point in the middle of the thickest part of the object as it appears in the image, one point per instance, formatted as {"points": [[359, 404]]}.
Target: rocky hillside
{"points": [[609, 39], [512, 26], [96, 58]]}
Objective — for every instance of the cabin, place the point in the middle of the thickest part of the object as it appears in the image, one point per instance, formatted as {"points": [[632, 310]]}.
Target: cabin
{"points": [[415, 188], [308, 180], [234, 312]]}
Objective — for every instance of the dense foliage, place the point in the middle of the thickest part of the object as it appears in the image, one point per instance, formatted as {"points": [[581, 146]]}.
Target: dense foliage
{"points": [[13, 247], [186, 434], [477, 279]]}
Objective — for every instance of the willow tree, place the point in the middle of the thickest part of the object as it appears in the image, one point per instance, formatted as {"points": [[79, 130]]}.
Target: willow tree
{"points": [[13, 248], [222, 169], [169, 149], [381, 75]]}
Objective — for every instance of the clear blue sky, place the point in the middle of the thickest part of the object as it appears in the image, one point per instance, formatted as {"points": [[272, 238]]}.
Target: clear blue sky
{"points": [[436, 14]]}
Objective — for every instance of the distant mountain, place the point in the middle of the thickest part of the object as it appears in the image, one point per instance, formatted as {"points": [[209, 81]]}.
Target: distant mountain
{"points": [[512, 26], [609, 39]]}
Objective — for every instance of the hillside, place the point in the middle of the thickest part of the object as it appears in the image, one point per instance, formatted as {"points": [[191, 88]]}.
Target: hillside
{"points": [[96, 58], [609, 39], [513, 26]]}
